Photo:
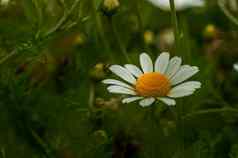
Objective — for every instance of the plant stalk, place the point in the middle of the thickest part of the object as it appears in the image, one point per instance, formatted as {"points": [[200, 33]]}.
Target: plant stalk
{"points": [[175, 23], [118, 39], [179, 108]]}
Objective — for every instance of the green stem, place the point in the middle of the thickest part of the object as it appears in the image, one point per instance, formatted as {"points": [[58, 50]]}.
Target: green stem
{"points": [[233, 19], [91, 99], [63, 20], [7, 57], [138, 12], [174, 22], [100, 30], [3, 153], [180, 129], [42, 144], [210, 111], [118, 39], [179, 108]]}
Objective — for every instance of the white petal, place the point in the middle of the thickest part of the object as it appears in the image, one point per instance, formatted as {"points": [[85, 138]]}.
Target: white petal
{"points": [[134, 70], [167, 101], [132, 99], [180, 93], [120, 90], [117, 83], [173, 67], [123, 73], [184, 89], [162, 62], [183, 74], [147, 102], [146, 63], [190, 85]]}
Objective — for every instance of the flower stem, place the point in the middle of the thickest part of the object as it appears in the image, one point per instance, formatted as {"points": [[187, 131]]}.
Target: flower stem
{"points": [[233, 19], [180, 130], [174, 22], [91, 96], [179, 108], [42, 144], [210, 111], [100, 30], [118, 39], [138, 12], [3, 153]]}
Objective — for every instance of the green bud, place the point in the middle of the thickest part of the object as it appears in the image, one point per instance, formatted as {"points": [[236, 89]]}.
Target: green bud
{"points": [[98, 73]]}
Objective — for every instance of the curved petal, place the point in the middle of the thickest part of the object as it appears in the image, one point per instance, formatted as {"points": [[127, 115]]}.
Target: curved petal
{"points": [[162, 62], [120, 90], [180, 93], [131, 99], [173, 67], [190, 85], [168, 101], [147, 102], [184, 89], [134, 70], [117, 83], [146, 63], [123, 73], [183, 74]]}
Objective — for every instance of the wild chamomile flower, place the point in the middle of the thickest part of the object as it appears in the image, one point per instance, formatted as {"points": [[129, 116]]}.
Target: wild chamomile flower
{"points": [[179, 4], [163, 81]]}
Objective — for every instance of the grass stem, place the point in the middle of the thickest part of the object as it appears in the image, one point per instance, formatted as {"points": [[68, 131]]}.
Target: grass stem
{"points": [[179, 108], [174, 22], [118, 39]]}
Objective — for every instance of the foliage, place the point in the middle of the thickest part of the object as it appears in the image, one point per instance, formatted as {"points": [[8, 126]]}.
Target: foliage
{"points": [[53, 55]]}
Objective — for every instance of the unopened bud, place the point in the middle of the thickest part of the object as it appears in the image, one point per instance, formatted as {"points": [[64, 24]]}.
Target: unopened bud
{"points": [[210, 32], [101, 136], [112, 104], [98, 72], [166, 39], [110, 7], [149, 37], [80, 39]]}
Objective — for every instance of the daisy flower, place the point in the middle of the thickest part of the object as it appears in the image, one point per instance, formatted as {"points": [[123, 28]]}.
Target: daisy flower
{"points": [[180, 4], [163, 81]]}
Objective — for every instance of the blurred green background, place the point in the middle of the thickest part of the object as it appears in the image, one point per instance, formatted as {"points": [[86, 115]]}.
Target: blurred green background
{"points": [[54, 54]]}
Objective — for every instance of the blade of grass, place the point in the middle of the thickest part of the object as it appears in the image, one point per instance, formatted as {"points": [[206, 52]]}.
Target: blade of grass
{"points": [[174, 22]]}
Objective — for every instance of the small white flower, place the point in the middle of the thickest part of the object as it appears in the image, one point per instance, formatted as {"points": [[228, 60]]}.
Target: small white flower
{"points": [[163, 81], [179, 4], [235, 66]]}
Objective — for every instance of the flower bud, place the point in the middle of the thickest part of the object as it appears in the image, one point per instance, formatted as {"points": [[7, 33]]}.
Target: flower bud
{"points": [[110, 7], [210, 32], [149, 37], [98, 72], [112, 104], [100, 136], [166, 39], [79, 40]]}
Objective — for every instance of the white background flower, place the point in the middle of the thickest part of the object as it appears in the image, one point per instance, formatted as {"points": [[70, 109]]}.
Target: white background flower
{"points": [[163, 81], [4, 2], [179, 4], [235, 66]]}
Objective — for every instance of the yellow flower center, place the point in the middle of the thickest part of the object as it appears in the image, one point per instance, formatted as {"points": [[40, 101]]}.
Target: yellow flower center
{"points": [[153, 84]]}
